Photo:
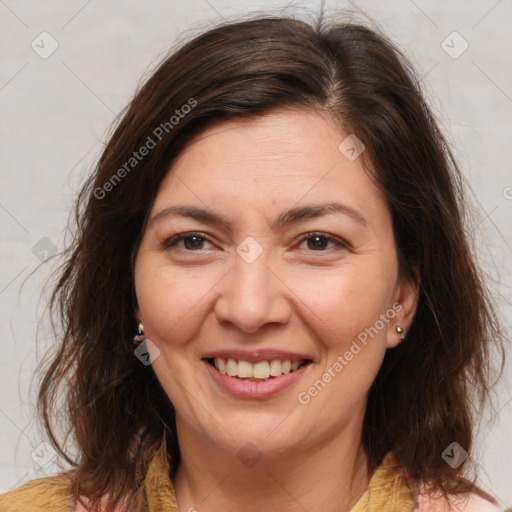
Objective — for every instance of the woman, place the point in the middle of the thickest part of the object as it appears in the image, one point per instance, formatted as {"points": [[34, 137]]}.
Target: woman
{"points": [[278, 221]]}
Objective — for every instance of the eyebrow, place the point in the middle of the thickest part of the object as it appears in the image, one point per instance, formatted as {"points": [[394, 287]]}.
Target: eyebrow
{"points": [[287, 218]]}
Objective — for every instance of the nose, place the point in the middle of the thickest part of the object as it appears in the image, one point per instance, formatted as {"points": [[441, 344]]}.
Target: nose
{"points": [[252, 296]]}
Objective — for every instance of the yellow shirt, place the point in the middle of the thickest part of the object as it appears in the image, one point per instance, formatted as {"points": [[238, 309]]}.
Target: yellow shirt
{"points": [[386, 492]]}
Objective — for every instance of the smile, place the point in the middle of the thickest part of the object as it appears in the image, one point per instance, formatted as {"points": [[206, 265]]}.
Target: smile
{"points": [[262, 370], [264, 376]]}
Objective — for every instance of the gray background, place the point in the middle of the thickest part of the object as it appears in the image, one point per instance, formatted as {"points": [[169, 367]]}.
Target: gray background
{"points": [[56, 112]]}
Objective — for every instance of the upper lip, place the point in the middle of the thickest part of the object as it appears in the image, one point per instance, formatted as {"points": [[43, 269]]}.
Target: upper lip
{"points": [[256, 356]]}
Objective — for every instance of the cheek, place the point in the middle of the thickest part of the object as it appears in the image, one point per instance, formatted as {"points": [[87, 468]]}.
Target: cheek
{"points": [[345, 305], [342, 310], [171, 302]]}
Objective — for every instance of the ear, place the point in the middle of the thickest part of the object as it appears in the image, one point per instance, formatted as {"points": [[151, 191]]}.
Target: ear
{"points": [[405, 303]]}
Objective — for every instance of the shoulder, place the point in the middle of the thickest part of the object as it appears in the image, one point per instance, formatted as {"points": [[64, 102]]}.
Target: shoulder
{"points": [[470, 502], [41, 495]]}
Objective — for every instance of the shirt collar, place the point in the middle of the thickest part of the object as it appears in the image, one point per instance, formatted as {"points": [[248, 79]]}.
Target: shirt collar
{"points": [[387, 490]]}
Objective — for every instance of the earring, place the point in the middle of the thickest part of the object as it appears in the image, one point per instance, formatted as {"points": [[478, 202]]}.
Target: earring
{"points": [[139, 338], [399, 330]]}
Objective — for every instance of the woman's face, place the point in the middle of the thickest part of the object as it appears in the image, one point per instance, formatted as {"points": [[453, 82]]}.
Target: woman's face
{"points": [[287, 257]]}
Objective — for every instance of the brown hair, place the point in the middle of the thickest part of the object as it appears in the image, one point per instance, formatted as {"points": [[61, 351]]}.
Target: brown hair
{"points": [[422, 399]]}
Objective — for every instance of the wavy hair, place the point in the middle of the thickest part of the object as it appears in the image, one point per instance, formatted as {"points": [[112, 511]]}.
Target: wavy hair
{"points": [[424, 396]]}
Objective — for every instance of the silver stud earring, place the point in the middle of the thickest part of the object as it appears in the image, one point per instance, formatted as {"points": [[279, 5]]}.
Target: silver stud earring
{"points": [[140, 337], [400, 331]]}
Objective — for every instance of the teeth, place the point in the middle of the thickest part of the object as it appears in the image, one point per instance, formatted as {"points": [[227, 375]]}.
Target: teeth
{"points": [[244, 369], [276, 368], [260, 370], [231, 367], [222, 366]]}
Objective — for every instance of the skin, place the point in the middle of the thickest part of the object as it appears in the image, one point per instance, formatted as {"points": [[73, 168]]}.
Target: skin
{"points": [[295, 297]]}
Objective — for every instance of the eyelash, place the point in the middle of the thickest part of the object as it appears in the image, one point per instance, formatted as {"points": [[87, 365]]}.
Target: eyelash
{"points": [[174, 240]]}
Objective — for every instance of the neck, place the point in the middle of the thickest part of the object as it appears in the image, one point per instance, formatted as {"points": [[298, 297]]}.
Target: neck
{"points": [[330, 476]]}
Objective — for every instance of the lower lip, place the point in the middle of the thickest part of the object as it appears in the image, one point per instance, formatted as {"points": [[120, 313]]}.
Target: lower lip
{"points": [[251, 389]]}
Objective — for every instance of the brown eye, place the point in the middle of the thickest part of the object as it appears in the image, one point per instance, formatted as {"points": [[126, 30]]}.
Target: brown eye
{"points": [[319, 242], [191, 242]]}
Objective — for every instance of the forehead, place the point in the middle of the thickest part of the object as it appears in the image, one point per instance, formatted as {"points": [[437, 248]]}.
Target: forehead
{"points": [[284, 157], [294, 136]]}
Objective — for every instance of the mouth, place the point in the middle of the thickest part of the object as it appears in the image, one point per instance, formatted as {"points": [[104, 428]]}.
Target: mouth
{"points": [[258, 371]]}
